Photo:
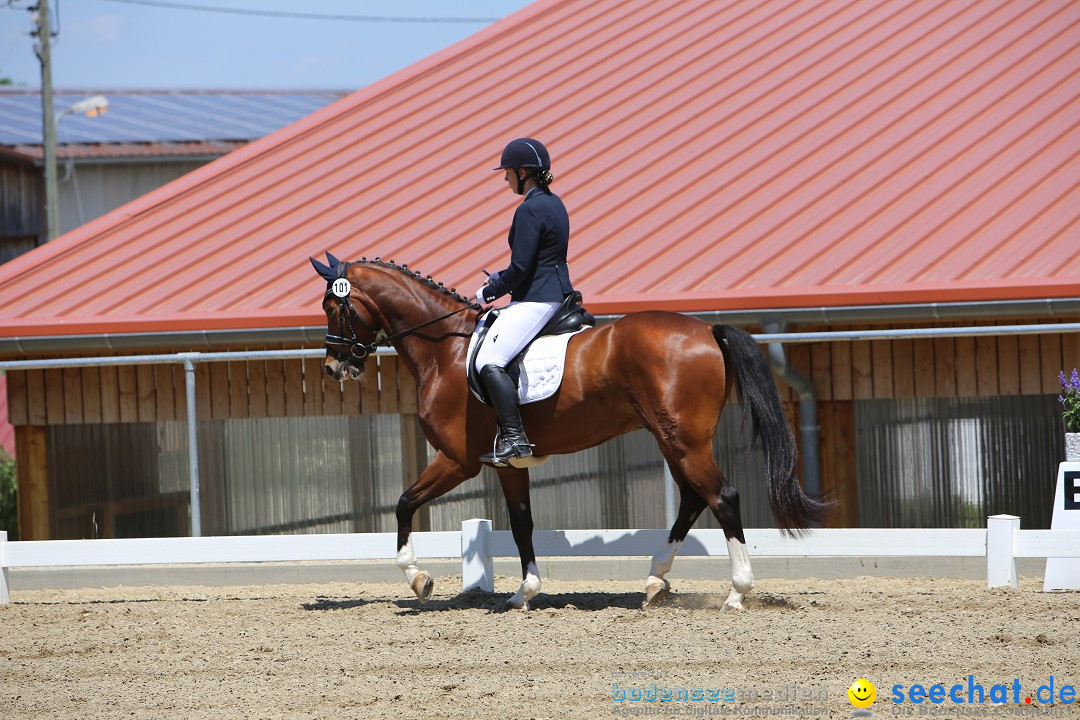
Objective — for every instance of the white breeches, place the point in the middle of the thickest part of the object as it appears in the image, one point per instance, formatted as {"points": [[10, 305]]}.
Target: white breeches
{"points": [[515, 328]]}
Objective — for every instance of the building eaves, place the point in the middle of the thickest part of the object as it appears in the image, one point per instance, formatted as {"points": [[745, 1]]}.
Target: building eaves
{"points": [[170, 151]]}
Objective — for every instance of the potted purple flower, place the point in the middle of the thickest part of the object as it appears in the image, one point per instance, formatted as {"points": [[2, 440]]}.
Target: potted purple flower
{"points": [[1070, 413]]}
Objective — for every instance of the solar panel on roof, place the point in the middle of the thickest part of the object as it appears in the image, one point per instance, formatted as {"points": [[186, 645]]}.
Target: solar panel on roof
{"points": [[160, 116]]}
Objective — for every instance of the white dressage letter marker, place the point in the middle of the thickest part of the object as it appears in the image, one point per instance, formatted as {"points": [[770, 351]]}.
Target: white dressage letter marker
{"points": [[1064, 573]]}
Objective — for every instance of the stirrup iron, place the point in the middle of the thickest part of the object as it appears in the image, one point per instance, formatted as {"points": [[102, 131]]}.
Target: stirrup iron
{"points": [[503, 453]]}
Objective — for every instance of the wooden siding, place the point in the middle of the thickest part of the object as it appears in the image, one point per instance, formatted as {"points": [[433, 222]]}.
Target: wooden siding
{"points": [[20, 208], [932, 367], [20, 199], [106, 186], [984, 366], [842, 372], [224, 390]]}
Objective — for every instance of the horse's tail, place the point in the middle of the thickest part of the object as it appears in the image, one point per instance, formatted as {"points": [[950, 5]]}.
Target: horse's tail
{"points": [[793, 509]]}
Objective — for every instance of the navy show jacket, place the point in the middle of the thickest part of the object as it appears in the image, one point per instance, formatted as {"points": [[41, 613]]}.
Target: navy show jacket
{"points": [[539, 237]]}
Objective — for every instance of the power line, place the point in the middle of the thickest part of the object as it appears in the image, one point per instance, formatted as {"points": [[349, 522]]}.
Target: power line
{"points": [[303, 16]]}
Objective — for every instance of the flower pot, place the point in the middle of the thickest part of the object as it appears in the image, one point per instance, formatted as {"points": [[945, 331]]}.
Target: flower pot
{"points": [[1072, 447]]}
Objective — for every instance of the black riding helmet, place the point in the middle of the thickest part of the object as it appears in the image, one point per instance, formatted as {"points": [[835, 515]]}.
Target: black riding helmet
{"points": [[525, 153]]}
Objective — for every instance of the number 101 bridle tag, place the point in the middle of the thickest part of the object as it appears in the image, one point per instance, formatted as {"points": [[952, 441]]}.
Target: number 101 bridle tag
{"points": [[341, 288]]}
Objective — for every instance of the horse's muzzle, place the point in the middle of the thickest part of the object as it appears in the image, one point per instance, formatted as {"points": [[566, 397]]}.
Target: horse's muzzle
{"points": [[343, 370], [345, 358]]}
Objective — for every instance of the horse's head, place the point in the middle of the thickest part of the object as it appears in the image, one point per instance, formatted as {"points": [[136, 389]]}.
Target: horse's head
{"points": [[348, 334]]}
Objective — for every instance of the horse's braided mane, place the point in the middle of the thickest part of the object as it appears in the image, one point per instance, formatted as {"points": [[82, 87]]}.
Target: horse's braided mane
{"points": [[429, 281]]}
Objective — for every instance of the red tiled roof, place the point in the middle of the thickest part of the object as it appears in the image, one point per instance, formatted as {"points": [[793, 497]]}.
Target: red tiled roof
{"points": [[713, 155]]}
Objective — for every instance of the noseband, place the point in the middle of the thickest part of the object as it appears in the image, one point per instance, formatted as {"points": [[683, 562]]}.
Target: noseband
{"points": [[350, 350]]}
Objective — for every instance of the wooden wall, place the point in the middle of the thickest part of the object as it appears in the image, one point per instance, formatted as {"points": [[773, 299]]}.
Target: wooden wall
{"points": [[935, 367], [242, 389], [21, 203], [843, 372], [224, 390]]}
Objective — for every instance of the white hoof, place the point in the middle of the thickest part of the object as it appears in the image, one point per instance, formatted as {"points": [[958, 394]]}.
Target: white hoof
{"points": [[520, 600], [530, 588], [734, 601], [656, 591], [422, 585]]}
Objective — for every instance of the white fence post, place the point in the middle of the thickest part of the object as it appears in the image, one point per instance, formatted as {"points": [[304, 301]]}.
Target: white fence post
{"points": [[1000, 563], [477, 567], [5, 590], [193, 446]]}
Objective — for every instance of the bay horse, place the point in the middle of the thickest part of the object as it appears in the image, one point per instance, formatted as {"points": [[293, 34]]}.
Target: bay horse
{"points": [[665, 372]]}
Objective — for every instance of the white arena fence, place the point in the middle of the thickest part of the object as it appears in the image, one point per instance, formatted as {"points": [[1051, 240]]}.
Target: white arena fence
{"points": [[476, 544]]}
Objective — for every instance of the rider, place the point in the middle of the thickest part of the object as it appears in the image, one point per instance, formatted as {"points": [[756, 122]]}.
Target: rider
{"points": [[537, 280]]}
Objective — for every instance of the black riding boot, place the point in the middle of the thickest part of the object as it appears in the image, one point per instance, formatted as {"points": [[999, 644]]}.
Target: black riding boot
{"points": [[511, 442]]}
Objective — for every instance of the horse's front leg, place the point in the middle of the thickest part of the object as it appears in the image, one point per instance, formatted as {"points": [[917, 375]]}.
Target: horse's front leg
{"points": [[515, 487], [440, 477]]}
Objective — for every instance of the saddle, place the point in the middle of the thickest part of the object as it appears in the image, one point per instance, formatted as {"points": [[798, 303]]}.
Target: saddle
{"points": [[570, 317]]}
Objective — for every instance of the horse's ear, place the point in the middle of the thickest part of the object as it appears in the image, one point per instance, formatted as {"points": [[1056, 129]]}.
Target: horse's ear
{"points": [[325, 273], [334, 262]]}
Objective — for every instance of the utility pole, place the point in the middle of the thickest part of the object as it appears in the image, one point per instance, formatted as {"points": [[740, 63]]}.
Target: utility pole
{"points": [[48, 118]]}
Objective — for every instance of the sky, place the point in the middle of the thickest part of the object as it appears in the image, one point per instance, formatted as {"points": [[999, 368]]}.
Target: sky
{"points": [[153, 44]]}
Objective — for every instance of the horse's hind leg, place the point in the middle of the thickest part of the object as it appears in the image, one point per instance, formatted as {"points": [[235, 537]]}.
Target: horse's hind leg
{"points": [[690, 506], [515, 487], [700, 471], [742, 577]]}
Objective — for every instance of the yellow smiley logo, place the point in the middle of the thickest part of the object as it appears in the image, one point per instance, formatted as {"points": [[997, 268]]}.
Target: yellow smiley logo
{"points": [[862, 693]]}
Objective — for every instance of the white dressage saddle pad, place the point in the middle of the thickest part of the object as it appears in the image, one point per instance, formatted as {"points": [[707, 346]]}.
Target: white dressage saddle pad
{"points": [[542, 366]]}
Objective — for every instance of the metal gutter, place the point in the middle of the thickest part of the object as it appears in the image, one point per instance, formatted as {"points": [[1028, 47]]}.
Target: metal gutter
{"points": [[922, 312], [184, 340], [203, 157], [195, 339]]}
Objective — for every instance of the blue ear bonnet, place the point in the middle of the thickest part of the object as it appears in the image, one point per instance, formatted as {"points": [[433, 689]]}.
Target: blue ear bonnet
{"points": [[330, 272]]}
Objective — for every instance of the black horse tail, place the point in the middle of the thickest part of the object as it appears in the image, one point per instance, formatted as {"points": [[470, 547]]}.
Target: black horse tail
{"points": [[793, 509]]}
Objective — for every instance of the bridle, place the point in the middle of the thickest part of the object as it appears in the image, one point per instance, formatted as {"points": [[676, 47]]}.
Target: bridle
{"points": [[350, 350]]}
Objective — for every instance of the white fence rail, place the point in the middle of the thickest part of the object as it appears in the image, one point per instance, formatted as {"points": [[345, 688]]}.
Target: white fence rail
{"points": [[477, 544]]}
